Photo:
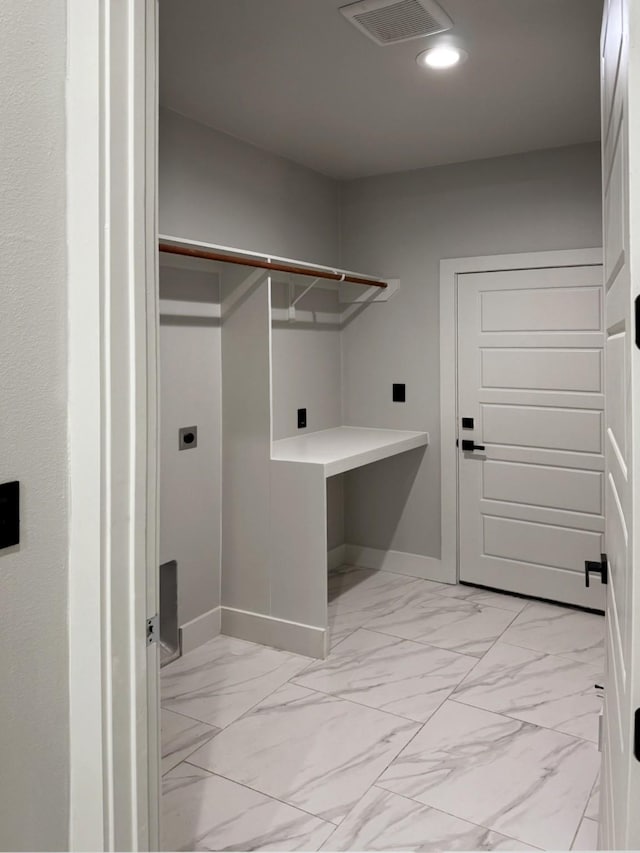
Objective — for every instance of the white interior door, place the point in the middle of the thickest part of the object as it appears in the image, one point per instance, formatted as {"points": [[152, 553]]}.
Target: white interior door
{"points": [[530, 394], [620, 63]]}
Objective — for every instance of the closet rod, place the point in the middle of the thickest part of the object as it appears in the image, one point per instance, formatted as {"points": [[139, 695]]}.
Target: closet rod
{"points": [[244, 261]]}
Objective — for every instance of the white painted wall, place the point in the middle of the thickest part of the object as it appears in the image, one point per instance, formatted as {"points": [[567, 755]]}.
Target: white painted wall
{"points": [[402, 225], [217, 189], [34, 709]]}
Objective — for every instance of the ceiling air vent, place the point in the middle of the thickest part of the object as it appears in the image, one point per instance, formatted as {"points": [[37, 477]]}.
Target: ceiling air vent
{"points": [[394, 21]]}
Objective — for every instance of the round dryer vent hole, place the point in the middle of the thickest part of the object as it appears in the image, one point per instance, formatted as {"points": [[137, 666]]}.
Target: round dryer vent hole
{"points": [[188, 437]]}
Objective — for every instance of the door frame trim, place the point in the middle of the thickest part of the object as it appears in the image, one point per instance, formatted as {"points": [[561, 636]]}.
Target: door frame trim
{"points": [[111, 118], [450, 269]]}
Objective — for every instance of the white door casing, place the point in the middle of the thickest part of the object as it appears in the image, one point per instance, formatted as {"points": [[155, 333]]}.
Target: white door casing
{"points": [[620, 87], [113, 322], [530, 375]]}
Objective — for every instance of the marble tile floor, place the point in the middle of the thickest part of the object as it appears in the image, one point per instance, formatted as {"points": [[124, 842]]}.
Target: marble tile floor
{"points": [[444, 718]]}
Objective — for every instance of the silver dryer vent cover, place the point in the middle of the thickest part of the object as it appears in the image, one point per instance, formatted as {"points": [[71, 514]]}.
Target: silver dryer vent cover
{"points": [[392, 21]]}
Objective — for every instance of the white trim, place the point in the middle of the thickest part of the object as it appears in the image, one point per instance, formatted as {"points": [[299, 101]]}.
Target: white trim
{"points": [[450, 269], [279, 633], [200, 630], [336, 557], [111, 227], [198, 310], [87, 789], [400, 562]]}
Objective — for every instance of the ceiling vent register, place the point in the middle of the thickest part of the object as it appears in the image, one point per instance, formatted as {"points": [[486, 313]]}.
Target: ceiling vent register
{"points": [[394, 21]]}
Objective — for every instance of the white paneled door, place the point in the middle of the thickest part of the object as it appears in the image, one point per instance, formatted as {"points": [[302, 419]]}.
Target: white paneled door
{"points": [[530, 404], [620, 67]]}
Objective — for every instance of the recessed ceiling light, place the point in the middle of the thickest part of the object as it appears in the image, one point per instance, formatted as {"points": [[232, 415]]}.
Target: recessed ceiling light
{"points": [[442, 56]]}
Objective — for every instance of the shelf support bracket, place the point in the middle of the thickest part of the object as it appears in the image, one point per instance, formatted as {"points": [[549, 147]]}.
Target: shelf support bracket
{"points": [[292, 305]]}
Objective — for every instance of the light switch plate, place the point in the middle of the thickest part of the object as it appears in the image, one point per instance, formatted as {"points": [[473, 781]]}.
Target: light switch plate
{"points": [[9, 514]]}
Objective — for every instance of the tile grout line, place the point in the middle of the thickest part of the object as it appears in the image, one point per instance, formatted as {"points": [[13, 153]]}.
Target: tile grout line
{"points": [[184, 760], [275, 799], [255, 704], [193, 719], [453, 651], [565, 657], [341, 698], [455, 817], [504, 713], [519, 720], [586, 806]]}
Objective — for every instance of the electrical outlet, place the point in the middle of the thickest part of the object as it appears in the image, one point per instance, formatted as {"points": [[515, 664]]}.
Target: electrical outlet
{"points": [[399, 392], [302, 418]]}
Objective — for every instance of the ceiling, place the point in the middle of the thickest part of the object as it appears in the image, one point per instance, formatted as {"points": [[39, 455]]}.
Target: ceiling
{"points": [[295, 78]]}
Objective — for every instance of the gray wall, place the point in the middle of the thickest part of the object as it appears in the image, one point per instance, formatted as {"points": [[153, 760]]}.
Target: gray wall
{"points": [[34, 712], [402, 225], [219, 190], [190, 481]]}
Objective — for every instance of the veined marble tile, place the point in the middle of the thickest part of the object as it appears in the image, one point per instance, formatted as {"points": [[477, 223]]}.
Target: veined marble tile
{"points": [[587, 837], [343, 623], [448, 623], [357, 595], [180, 736], [593, 806], [554, 692], [559, 631], [398, 676], [201, 811], [219, 681], [477, 595], [368, 587], [513, 777], [312, 751], [386, 821]]}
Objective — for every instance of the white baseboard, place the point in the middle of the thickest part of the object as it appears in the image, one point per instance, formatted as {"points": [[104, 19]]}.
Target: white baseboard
{"points": [[400, 562], [200, 630], [279, 633], [336, 557]]}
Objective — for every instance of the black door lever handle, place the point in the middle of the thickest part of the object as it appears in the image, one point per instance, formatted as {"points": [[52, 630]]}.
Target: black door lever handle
{"points": [[469, 444]]}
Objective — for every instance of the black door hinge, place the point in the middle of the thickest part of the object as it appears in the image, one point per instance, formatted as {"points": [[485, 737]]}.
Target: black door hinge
{"points": [[601, 568], [153, 626], [636, 735]]}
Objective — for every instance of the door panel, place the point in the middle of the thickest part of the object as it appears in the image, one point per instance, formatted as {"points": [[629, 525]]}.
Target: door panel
{"points": [[542, 370], [543, 515], [529, 426], [542, 544], [541, 310], [543, 485], [620, 72], [530, 374]]}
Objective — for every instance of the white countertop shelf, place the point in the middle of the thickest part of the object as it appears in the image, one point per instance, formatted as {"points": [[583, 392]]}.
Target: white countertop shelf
{"points": [[344, 448]]}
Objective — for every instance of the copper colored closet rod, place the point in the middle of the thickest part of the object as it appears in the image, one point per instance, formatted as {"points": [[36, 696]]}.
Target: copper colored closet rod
{"points": [[259, 263]]}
